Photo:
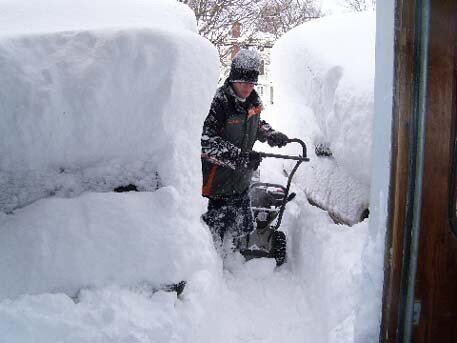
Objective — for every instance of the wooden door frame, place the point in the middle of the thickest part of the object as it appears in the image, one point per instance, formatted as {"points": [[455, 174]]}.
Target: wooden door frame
{"points": [[404, 191]]}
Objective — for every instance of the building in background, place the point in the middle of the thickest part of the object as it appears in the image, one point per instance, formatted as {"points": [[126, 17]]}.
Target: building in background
{"points": [[263, 43]]}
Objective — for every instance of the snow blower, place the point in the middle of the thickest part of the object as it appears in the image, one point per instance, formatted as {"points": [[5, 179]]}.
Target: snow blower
{"points": [[268, 202]]}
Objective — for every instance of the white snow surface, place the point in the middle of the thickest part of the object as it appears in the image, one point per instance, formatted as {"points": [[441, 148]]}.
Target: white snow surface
{"points": [[324, 84], [93, 108], [324, 73], [43, 16], [63, 245], [312, 298]]}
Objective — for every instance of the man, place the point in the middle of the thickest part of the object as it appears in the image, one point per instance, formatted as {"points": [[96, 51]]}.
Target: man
{"points": [[229, 133]]}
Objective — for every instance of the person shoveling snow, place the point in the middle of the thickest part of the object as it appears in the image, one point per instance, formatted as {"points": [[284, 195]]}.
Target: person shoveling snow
{"points": [[230, 130]]}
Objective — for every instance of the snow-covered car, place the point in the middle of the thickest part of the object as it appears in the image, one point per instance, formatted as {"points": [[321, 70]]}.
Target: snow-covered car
{"points": [[323, 72], [98, 95]]}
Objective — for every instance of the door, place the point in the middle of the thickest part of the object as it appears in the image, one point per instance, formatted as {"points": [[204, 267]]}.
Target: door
{"points": [[420, 287]]}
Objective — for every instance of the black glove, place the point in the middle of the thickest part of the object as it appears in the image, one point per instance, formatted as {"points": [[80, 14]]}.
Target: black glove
{"points": [[254, 160], [250, 160], [278, 139]]}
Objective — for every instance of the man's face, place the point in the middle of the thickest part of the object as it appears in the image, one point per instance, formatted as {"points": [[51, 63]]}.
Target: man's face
{"points": [[243, 89]]}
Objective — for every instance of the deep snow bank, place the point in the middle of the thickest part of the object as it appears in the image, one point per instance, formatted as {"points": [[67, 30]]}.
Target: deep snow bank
{"points": [[328, 66], [61, 245], [78, 100], [324, 77], [102, 104], [324, 74], [17, 17]]}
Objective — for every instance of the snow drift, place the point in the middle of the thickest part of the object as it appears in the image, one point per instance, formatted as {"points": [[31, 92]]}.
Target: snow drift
{"points": [[38, 16], [324, 76], [324, 82], [91, 104], [328, 64], [62, 245], [76, 100]]}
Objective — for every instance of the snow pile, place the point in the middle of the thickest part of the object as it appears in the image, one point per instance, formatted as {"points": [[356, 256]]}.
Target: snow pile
{"points": [[254, 303], [328, 64], [38, 16], [107, 103], [324, 78], [106, 315], [81, 100], [61, 245], [327, 259]]}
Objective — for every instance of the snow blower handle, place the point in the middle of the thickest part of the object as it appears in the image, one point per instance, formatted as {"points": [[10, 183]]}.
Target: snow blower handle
{"points": [[302, 158]]}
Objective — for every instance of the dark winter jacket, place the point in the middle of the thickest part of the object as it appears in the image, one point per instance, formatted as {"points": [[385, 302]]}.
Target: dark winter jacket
{"points": [[230, 130]]}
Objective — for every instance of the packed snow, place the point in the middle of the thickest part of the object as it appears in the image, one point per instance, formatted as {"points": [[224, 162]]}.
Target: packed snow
{"points": [[103, 94], [40, 16], [326, 92], [80, 103], [324, 84], [62, 245], [90, 106]]}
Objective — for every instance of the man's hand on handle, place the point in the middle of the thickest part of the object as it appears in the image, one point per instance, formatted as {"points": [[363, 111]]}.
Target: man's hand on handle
{"points": [[278, 139], [250, 160]]}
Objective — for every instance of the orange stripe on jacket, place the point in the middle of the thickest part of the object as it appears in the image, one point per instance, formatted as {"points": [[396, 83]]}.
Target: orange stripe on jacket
{"points": [[206, 190], [254, 111]]}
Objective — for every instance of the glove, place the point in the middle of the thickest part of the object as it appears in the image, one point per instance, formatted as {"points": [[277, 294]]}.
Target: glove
{"points": [[254, 160], [250, 160], [278, 139]]}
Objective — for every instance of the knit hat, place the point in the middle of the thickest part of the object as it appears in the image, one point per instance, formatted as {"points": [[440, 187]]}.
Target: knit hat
{"points": [[245, 67]]}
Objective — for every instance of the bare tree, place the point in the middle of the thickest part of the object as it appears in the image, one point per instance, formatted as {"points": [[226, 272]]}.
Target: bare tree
{"points": [[279, 16], [360, 5], [216, 17]]}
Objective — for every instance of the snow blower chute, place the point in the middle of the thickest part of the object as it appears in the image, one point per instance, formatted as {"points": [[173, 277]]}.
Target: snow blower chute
{"points": [[268, 202]]}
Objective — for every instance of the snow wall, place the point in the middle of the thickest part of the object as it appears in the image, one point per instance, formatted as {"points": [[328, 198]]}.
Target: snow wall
{"points": [[97, 95], [328, 66], [323, 73], [374, 250]]}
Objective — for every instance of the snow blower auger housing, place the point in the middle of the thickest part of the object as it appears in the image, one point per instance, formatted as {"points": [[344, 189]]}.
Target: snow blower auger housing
{"points": [[268, 202]]}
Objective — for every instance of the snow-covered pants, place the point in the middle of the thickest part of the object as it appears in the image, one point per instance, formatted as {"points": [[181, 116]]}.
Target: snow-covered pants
{"points": [[229, 216]]}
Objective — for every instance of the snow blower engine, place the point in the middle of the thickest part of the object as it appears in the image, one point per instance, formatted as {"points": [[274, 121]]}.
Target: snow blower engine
{"points": [[268, 202]]}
